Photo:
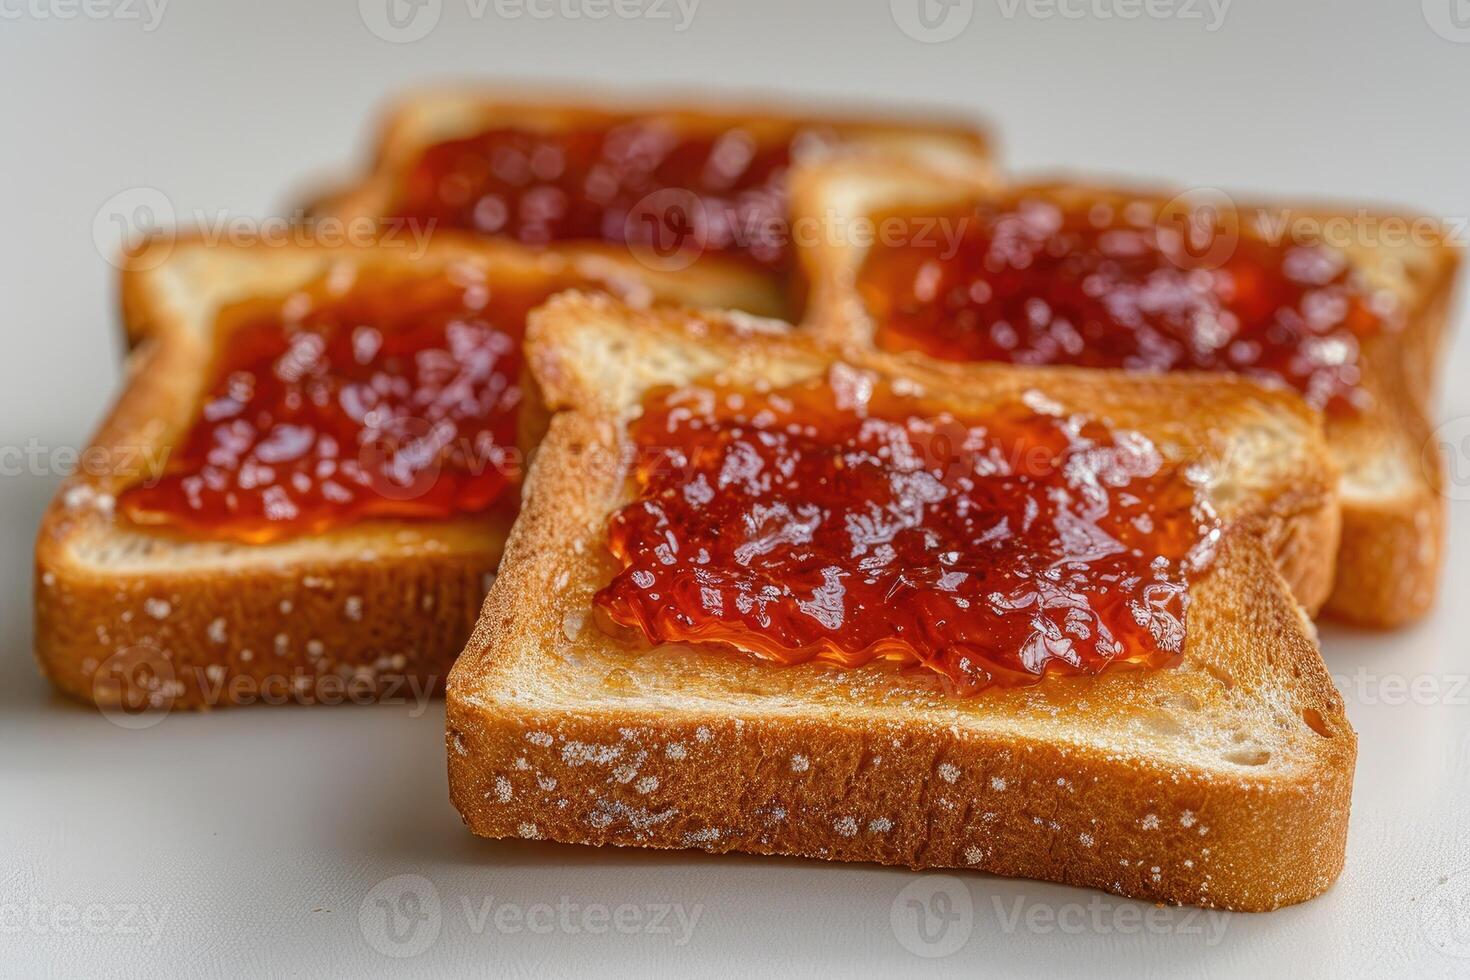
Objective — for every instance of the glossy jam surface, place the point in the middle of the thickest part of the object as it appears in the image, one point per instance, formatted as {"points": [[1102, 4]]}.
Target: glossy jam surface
{"points": [[351, 400], [630, 181], [845, 521], [1024, 281]]}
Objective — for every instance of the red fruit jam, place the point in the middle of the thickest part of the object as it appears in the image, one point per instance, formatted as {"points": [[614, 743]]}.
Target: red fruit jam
{"points": [[352, 399], [627, 181], [1026, 281], [845, 520]]}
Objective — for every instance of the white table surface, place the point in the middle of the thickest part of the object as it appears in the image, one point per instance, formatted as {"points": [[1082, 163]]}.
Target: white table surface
{"points": [[261, 841]]}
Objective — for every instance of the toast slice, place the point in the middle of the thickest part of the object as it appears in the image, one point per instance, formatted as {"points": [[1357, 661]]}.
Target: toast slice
{"points": [[133, 614], [1393, 507], [748, 219], [1222, 781]]}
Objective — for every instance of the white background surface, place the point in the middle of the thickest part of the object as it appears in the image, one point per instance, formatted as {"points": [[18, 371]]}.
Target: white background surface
{"points": [[254, 839]]}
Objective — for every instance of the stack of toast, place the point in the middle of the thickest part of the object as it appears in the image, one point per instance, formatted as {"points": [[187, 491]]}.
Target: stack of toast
{"points": [[788, 483]]}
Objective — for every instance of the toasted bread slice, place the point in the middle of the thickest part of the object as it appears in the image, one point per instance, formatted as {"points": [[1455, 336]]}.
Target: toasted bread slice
{"points": [[206, 622], [422, 120], [1224, 781], [1393, 508]]}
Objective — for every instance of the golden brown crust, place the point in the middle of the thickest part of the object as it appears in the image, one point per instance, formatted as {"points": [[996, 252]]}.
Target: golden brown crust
{"points": [[1393, 530], [716, 285], [906, 793], [1389, 561], [356, 627], [130, 615], [1393, 545], [1223, 782]]}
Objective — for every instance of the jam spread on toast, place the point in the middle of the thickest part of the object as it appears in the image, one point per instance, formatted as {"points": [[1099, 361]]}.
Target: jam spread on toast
{"points": [[353, 398], [850, 519], [631, 181], [1026, 280]]}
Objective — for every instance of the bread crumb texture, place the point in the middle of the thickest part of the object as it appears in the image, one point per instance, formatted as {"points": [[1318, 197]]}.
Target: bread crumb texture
{"points": [[895, 795]]}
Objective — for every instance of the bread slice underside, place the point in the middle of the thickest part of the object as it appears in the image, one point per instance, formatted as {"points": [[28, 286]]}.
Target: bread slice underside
{"points": [[133, 616], [422, 119], [1224, 781], [1392, 502]]}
